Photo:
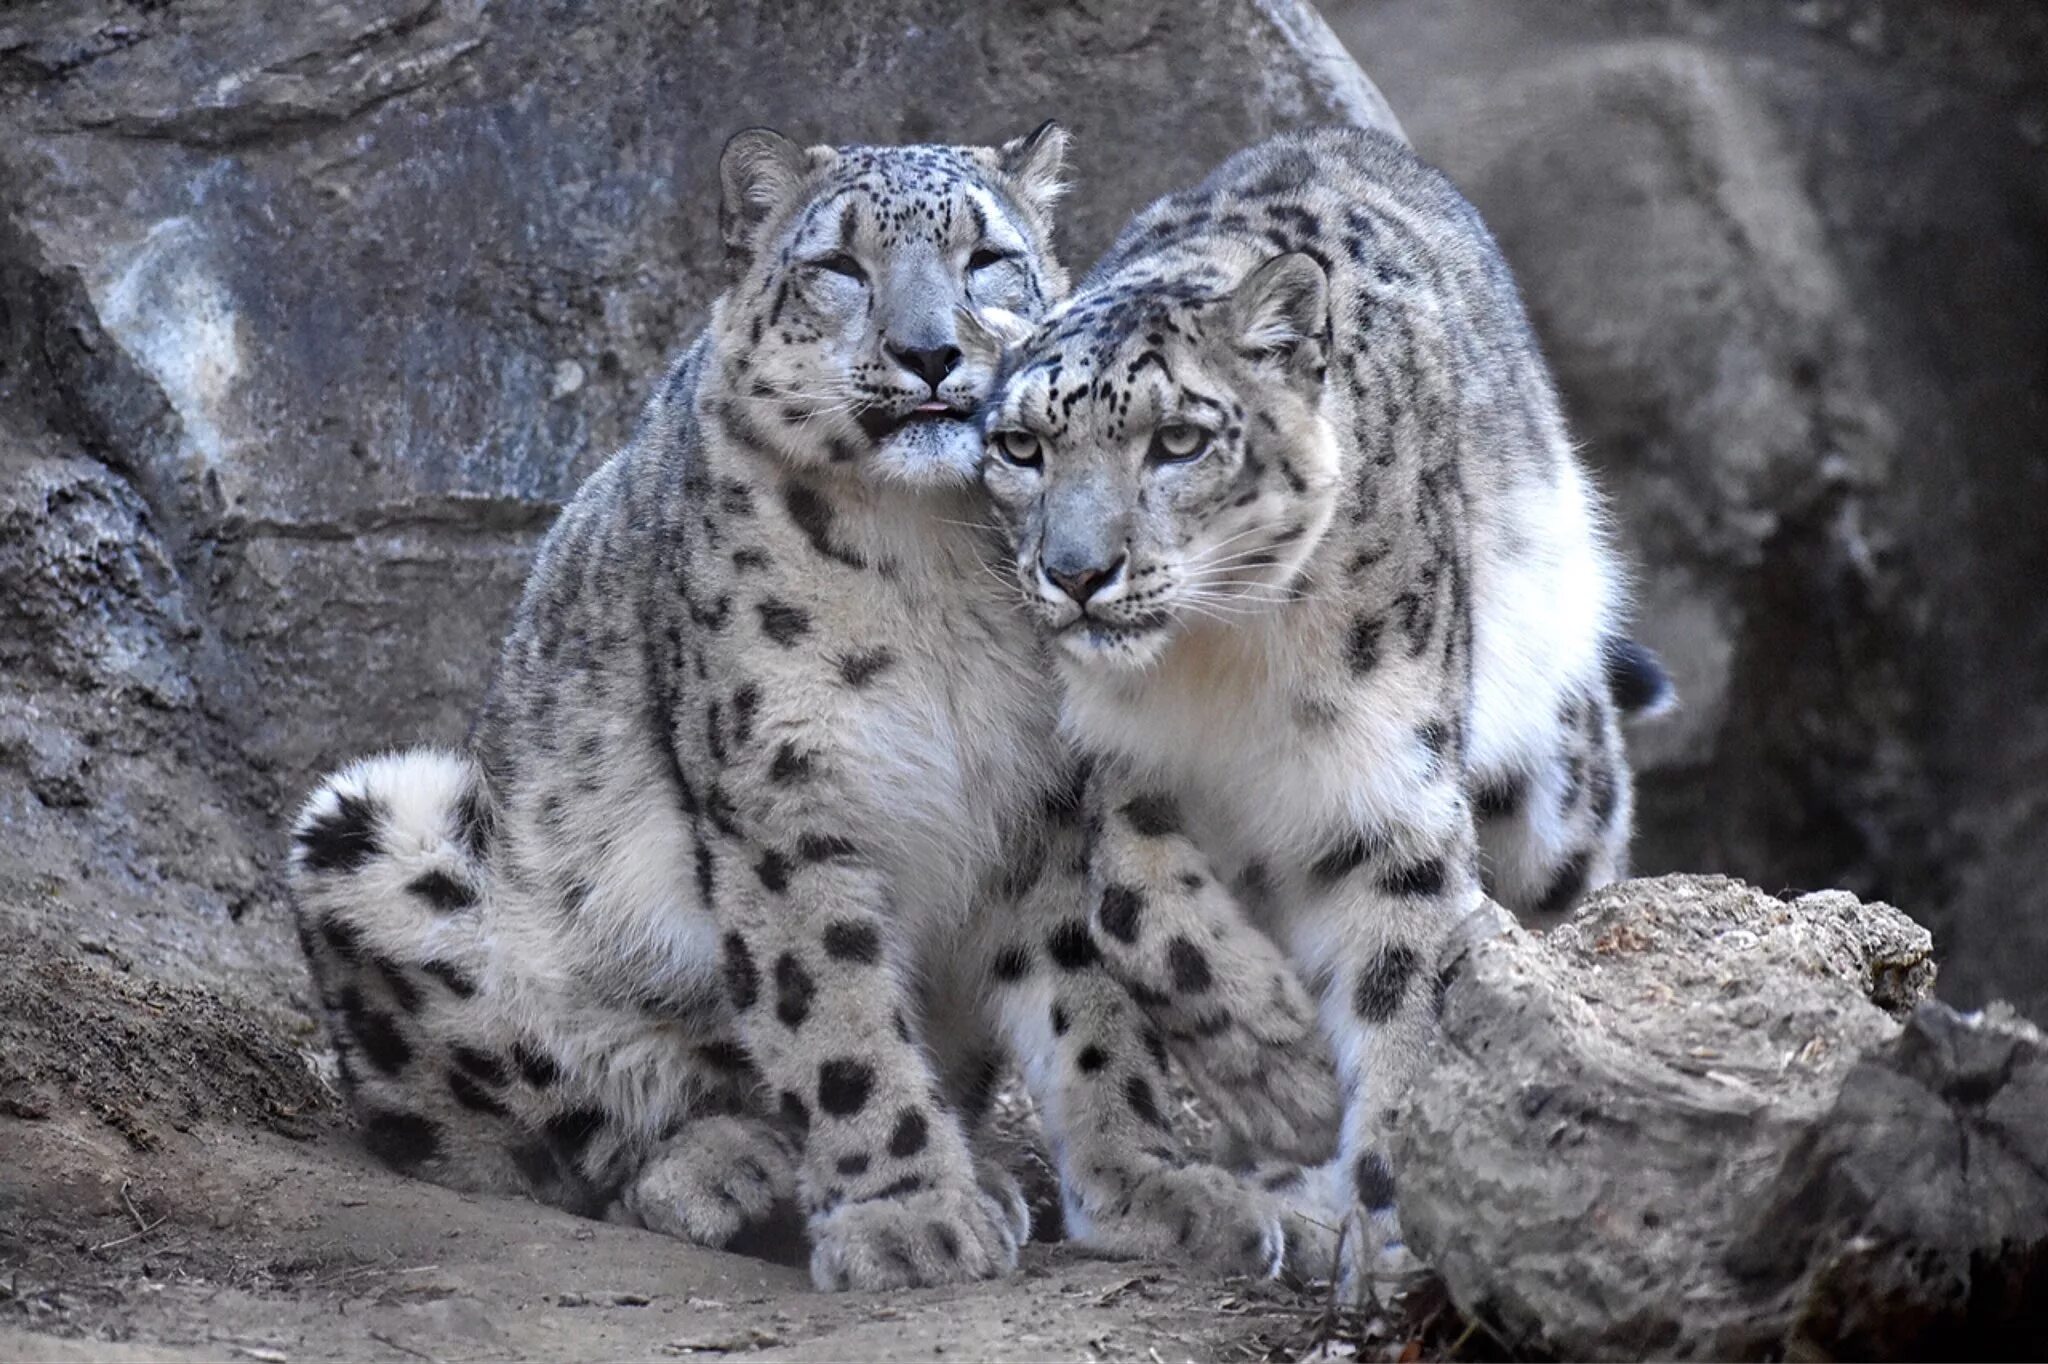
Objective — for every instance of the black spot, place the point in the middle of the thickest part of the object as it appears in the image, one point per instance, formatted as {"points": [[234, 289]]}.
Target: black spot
{"points": [[1435, 737], [794, 990], [862, 668], [1138, 1093], [1500, 797], [783, 623], [844, 1086], [537, 1066], [1567, 886], [474, 1096], [773, 869], [343, 938], [747, 559], [1375, 1182], [459, 985], [570, 1132], [791, 765], [1155, 1046], [1362, 644], [746, 702], [813, 516], [343, 838], [1343, 859], [706, 873], [742, 978], [1384, 983], [1146, 997], [723, 1055], [1013, 963], [1189, 966], [1192, 881], [854, 1165], [795, 1111], [910, 1135], [855, 940], [481, 1064], [1060, 1021], [1153, 815], [442, 891], [404, 1141], [404, 993], [1417, 878], [825, 847], [379, 1037], [1091, 1059], [1119, 913], [1071, 947], [897, 1188], [476, 821], [948, 1240]]}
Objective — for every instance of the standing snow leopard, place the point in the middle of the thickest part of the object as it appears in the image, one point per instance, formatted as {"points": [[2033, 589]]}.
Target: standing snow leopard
{"points": [[1290, 488], [764, 848]]}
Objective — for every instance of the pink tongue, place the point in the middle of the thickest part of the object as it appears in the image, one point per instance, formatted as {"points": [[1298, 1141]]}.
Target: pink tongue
{"points": [[933, 407]]}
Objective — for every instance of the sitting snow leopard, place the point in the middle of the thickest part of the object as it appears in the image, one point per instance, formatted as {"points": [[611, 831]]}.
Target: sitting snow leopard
{"points": [[1290, 489], [764, 849]]}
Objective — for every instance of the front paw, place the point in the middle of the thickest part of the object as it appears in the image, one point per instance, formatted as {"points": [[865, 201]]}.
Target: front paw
{"points": [[955, 1233], [1163, 1211], [1330, 1236], [712, 1178]]}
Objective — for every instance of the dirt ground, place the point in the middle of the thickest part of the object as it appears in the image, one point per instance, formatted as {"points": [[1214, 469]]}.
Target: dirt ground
{"points": [[177, 1182]]}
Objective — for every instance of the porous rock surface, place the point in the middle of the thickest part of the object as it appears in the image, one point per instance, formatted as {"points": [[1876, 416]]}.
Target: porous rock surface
{"points": [[1699, 1121]]}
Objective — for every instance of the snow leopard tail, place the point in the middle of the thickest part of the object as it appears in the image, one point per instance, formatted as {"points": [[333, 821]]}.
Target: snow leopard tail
{"points": [[1636, 678], [388, 874]]}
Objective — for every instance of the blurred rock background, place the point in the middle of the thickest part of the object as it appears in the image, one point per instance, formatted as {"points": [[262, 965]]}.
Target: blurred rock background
{"points": [[312, 315]]}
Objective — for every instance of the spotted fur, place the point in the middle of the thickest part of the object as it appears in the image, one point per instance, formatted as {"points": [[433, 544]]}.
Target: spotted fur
{"points": [[1290, 490], [757, 862]]}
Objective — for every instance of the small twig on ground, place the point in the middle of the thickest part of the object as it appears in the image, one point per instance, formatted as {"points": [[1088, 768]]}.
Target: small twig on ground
{"points": [[1327, 1327], [131, 1236], [140, 1226]]}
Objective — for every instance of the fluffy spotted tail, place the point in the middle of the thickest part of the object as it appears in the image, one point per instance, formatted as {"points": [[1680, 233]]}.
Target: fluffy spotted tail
{"points": [[388, 871]]}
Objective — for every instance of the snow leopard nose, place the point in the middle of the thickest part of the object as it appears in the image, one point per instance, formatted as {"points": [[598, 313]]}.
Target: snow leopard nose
{"points": [[1081, 581], [929, 363]]}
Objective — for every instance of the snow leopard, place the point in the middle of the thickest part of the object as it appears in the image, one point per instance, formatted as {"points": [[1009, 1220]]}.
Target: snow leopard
{"points": [[1334, 607], [763, 853]]}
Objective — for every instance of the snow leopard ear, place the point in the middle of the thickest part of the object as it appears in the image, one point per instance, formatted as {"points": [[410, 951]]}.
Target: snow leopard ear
{"points": [[1035, 164], [759, 172], [1282, 312]]}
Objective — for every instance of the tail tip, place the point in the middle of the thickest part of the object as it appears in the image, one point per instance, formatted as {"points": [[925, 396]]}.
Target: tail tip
{"points": [[1637, 679]]}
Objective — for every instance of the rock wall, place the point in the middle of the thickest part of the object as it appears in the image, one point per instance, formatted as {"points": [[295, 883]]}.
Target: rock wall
{"points": [[310, 317], [1791, 263]]}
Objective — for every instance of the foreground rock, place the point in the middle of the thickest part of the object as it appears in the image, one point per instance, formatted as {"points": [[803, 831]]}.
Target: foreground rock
{"points": [[1697, 1121]]}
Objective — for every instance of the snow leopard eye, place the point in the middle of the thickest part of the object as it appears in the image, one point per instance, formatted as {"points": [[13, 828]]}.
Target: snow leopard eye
{"points": [[1020, 448], [986, 256], [839, 263], [1178, 443]]}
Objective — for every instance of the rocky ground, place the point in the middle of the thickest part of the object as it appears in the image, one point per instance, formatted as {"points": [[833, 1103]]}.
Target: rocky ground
{"points": [[176, 1182]]}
